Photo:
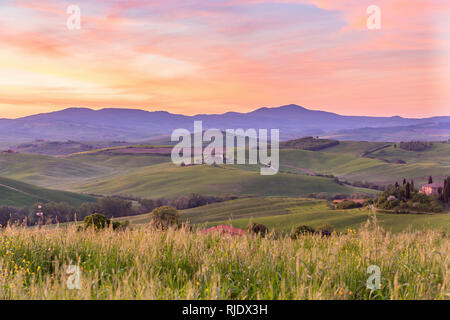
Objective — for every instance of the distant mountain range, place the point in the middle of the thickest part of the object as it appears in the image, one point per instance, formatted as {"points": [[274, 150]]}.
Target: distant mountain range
{"points": [[294, 121]]}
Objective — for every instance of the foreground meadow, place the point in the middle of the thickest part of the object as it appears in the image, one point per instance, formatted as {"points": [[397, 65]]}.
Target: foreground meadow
{"points": [[145, 264]]}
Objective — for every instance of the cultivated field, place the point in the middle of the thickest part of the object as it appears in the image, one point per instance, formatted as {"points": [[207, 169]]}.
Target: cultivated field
{"points": [[145, 264], [282, 214], [340, 162], [16, 193], [138, 171]]}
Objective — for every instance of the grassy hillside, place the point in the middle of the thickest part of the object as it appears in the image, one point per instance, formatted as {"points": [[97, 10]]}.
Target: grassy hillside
{"points": [[112, 171], [68, 172], [233, 209], [438, 154], [418, 167], [48, 171], [18, 194], [168, 180], [325, 163], [283, 214], [119, 162], [354, 148]]}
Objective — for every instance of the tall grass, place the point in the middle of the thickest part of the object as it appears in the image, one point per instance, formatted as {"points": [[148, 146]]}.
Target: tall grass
{"points": [[145, 264]]}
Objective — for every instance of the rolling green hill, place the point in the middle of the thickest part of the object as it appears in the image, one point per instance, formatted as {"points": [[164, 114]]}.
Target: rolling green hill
{"points": [[168, 180], [71, 171], [354, 148], [119, 162], [351, 168], [282, 214], [438, 154], [48, 171], [18, 194], [114, 171]]}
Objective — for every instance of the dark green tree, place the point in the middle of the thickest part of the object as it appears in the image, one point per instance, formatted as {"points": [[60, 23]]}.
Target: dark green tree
{"points": [[430, 179], [114, 207], [257, 229], [407, 191], [301, 231], [147, 204], [97, 221], [446, 193], [165, 217]]}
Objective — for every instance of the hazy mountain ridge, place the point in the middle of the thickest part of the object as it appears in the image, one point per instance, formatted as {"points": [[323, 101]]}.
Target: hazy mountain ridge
{"points": [[135, 124]]}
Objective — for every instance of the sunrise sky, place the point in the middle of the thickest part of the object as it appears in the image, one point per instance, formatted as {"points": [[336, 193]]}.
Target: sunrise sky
{"points": [[213, 56]]}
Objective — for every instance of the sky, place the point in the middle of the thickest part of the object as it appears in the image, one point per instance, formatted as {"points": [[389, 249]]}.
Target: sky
{"points": [[214, 56]]}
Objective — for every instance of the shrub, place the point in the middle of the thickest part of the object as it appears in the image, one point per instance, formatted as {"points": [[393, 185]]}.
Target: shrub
{"points": [[415, 145], [302, 230], [258, 229], [164, 217], [325, 230], [120, 226], [348, 204], [98, 221], [308, 143]]}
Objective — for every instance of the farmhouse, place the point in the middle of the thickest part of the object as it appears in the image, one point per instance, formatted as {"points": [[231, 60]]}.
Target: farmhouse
{"points": [[432, 188]]}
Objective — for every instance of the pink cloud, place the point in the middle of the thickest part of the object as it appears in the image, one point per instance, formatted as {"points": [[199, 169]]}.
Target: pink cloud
{"points": [[243, 55]]}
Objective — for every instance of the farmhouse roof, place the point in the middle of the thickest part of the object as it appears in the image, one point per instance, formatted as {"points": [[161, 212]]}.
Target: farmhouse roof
{"points": [[224, 229]]}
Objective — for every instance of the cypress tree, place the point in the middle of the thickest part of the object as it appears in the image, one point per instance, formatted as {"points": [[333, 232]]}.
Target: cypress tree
{"points": [[407, 191], [430, 179], [412, 186], [404, 181], [446, 190]]}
